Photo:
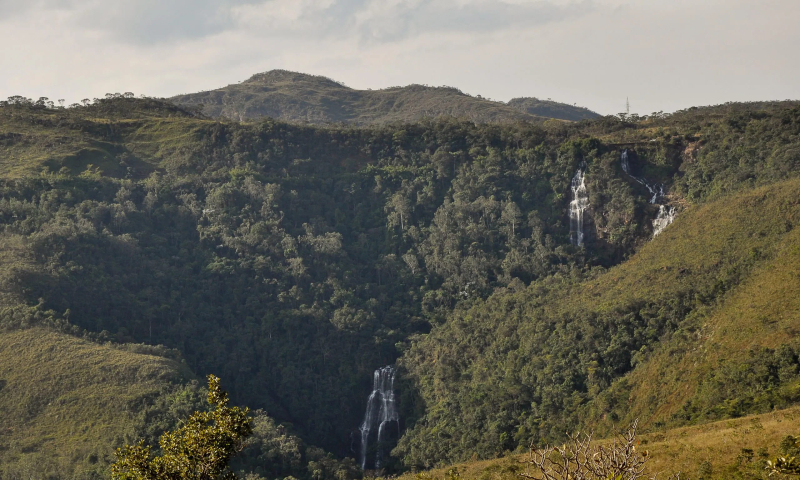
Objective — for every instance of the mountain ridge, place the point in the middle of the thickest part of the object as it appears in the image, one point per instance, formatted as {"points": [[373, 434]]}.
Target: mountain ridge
{"points": [[299, 97]]}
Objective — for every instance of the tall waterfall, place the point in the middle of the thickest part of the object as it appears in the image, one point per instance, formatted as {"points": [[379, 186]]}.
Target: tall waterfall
{"points": [[381, 420], [577, 207], [666, 213]]}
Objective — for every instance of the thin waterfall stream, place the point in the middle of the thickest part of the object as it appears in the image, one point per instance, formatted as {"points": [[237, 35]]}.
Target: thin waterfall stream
{"points": [[656, 190], [381, 422], [666, 213]]}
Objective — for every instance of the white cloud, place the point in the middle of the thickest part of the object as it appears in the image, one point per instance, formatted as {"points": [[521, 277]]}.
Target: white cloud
{"points": [[136, 21], [663, 54]]}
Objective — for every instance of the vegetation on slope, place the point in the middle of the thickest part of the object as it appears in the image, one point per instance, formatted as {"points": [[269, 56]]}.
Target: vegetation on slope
{"points": [[544, 355], [243, 244], [297, 97], [724, 450], [67, 403], [551, 109], [277, 239], [741, 356]]}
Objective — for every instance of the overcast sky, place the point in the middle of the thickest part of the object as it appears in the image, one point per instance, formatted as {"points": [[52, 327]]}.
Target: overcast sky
{"points": [[662, 54]]}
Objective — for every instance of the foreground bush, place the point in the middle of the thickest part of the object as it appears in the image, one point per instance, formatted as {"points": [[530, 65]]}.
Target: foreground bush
{"points": [[200, 449], [581, 459]]}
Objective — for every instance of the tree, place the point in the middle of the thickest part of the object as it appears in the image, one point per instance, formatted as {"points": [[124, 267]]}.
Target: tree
{"points": [[399, 209], [200, 449], [511, 217]]}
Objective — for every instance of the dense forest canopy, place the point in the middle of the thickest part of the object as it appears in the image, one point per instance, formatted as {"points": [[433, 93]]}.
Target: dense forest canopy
{"points": [[292, 261]]}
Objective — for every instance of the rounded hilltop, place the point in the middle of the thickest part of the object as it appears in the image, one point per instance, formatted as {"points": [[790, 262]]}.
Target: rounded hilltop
{"points": [[299, 97], [288, 76]]}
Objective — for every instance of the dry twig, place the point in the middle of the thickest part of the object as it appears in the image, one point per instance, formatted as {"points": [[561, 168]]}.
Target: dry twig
{"points": [[579, 459]]}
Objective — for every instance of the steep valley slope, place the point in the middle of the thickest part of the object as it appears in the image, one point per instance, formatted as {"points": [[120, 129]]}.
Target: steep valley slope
{"points": [[294, 260], [698, 325]]}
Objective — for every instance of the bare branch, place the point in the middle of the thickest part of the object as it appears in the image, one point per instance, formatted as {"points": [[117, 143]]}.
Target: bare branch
{"points": [[580, 459]]}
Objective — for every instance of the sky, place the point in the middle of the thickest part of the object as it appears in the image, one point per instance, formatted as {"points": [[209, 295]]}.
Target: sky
{"points": [[662, 55]]}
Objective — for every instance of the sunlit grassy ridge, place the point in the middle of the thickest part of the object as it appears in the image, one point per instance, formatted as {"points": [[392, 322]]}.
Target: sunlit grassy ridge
{"points": [[67, 403], [127, 137], [730, 449], [698, 370]]}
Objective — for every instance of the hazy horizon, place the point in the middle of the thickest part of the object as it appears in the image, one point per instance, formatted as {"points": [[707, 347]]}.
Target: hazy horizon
{"points": [[662, 55]]}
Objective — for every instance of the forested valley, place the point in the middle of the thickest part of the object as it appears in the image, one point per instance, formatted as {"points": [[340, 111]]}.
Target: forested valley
{"points": [[293, 261]]}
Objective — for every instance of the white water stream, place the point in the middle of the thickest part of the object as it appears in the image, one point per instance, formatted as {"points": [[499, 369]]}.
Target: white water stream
{"points": [[666, 213], [381, 414], [577, 208]]}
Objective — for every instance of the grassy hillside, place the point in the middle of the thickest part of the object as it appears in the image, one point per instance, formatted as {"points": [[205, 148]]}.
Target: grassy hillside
{"points": [[68, 403], [296, 97], [124, 138], [546, 356], [731, 449], [741, 358], [551, 109]]}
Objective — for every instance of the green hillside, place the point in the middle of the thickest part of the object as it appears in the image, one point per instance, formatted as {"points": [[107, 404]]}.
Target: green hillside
{"points": [[549, 354], [293, 261], [724, 450], [743, 354], [551, 109], [68, 403], [297, 97]]}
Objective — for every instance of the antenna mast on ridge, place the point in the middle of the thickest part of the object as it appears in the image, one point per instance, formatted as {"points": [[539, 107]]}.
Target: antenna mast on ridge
{"points": [[627, 106]]}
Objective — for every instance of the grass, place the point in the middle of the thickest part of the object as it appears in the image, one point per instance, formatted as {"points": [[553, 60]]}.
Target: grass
{"points": [[74, 139], [730, 449], [762, 311], [551, 109], [68, 403]]}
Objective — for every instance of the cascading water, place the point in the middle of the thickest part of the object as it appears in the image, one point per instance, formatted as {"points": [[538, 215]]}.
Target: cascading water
{"points": [[381, 413], [626, 163], [577, 207], [656, 190], [666, 213]]}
